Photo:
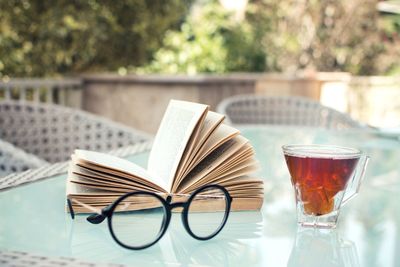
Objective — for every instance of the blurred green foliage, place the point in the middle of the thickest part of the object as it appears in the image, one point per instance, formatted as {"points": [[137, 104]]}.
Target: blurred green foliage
{"points": [[329, 35], [47, 38], [285, 35], [209, 41], [390, 24]]}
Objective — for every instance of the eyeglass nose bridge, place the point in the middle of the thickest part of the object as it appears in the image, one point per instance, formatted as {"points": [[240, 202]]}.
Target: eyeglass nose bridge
{"points": [[176, 204]]}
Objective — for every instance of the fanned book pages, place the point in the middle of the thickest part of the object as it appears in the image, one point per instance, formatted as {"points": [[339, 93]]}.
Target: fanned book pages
{"points": [[192, 148]]}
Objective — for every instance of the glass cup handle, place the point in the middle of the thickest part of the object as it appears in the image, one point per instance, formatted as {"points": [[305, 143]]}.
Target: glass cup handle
{"points": [[354, 184]]}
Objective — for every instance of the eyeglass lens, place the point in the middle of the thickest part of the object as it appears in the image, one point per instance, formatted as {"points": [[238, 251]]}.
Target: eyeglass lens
{"points": [[207, 211], [138, 220]]}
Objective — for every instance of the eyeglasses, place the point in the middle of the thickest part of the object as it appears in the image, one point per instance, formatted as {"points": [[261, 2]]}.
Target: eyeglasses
{"points": [[137, 220]]}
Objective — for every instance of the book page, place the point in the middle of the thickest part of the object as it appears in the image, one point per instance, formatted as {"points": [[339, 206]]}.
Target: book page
{"points": [[82, 176], [112, 163], [224, 177], [218, 137], [210, 124], [237, 165], [176, 129], [73, 189], [212, 161]]}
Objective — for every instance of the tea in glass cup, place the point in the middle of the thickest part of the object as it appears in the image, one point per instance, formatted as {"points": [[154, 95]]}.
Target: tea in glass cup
{"points": [[323, 178]]}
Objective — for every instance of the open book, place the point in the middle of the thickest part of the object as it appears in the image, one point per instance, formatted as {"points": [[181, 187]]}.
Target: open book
{"points": [[192, 148]]}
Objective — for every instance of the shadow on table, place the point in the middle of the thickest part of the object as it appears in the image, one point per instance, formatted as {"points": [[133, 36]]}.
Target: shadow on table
{"points": [[317, 247], [235, 245]]}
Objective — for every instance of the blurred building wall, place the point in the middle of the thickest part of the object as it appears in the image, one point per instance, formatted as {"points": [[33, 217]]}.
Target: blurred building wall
{"points": [[140, 101]]}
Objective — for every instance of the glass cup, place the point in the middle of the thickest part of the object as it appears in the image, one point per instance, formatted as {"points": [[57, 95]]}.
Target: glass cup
{"points": [[324, 178]]}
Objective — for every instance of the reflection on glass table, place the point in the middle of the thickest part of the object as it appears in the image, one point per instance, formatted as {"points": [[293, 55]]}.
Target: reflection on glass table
{"points": [[34, 219], [175, 246], [321, 247]]}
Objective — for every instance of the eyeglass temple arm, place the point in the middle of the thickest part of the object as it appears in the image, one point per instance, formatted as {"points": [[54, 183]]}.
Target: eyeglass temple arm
{"points": [[71, 210], [95, 218]]}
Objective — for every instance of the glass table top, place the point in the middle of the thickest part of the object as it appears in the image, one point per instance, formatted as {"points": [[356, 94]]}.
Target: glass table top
{"points": [[33, 217]]}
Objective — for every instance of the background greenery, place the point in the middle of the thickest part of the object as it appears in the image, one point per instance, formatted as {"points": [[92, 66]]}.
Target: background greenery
{"points": [[48, 38], [210, 41], [285, 35]]}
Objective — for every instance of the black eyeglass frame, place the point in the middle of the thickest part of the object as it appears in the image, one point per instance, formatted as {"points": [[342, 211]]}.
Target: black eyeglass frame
{"points": [[107, 212]]}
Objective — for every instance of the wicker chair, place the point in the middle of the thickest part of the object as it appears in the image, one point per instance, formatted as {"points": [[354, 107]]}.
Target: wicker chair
{"points": [[282, 110], [52, 132], [13, 159]]}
